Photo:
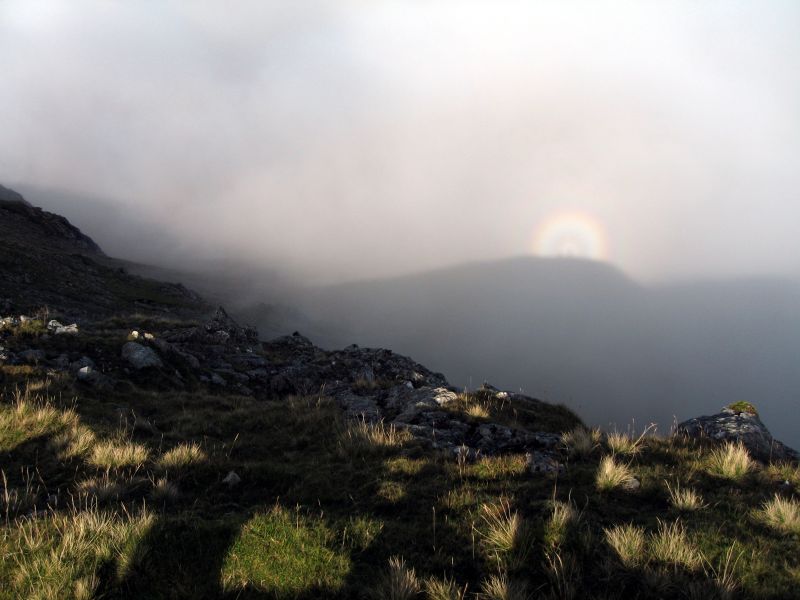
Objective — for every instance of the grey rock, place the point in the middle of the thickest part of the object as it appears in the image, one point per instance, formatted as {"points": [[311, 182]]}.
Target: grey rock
{"points": [[140, 357], [83, 361], [232, 479], [745, 427], [543, 463], [86, 374]]}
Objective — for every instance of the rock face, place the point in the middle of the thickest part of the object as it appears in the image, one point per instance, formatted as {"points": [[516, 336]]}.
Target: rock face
{"points": [[743, 426]]}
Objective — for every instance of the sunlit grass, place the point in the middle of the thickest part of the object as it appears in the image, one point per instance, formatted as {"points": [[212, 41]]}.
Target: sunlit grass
{"points": [[182, 456], [60, 556], [581, 442], [781, 514], [612, 475], [684, 499], [730, 461], [628, 542], [671, 545], [284, 552], [500, 587], [116, 454]]}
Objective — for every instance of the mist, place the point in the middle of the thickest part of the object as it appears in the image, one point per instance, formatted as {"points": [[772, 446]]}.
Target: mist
{"points": [[412, 175], [351, 140]]}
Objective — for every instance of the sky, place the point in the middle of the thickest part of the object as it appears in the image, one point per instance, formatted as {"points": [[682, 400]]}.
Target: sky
{"points": [[360, 138]]}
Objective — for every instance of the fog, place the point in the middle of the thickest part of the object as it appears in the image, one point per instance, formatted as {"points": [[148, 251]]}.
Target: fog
{"points": [[268, 152], [358, 139]]}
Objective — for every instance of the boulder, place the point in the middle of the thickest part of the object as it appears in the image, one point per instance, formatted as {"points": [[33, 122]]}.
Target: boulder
{"points": [[732, 425], [140, 357]]}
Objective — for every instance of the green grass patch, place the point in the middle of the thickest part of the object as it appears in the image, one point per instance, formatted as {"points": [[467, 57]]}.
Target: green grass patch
{"points": [[285, 554]]}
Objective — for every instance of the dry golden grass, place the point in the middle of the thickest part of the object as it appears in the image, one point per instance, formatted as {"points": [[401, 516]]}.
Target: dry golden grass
{"points": [[59, 556], [500, 587], [730, 461], [671, 545], [581, 442], [625, 443], [117, 454], [164, 491], [31, 416], [781, 514], [363, 436], [628, 542], [182, 456], [400, 581], [611, 474], [75, 442], [100, 489], [564, 516], [444, 589], [478, 410], [686, 499], [503, 531]]}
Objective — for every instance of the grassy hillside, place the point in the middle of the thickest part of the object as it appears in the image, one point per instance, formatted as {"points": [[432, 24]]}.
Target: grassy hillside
{"points": [[127, 494]]}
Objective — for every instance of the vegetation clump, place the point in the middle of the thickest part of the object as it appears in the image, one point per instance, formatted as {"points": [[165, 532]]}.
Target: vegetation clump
{"points": [[743, 407], [730, 461]]}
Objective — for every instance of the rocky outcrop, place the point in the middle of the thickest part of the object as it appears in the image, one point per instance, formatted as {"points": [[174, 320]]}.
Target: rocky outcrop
{"points": [[739, 426]]}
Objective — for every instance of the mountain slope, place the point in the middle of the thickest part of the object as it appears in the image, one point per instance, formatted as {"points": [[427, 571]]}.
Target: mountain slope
{"points": [[46, 261]]}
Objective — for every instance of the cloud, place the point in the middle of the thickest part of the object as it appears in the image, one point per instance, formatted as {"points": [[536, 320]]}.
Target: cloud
{"points": [[356, 139]]}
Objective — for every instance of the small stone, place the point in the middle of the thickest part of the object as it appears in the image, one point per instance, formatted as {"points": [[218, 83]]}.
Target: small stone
{"points": [[631, 485], [232, 479]]}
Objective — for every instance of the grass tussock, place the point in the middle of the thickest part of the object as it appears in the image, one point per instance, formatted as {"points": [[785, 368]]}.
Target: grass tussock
{"points": [[581, 442], [118, 454], [30, 416], [363, 436], [503, 531], [671, 545], [400, 582], [75, 442], [164, 491], [730, 461], [60, 556], [625, 444], [500, 587], [444, 589], [478, 410], [182, 456], [781, 514], [101, 489], [612, 475], [684, 499], [563, 518], [628, 543]]}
